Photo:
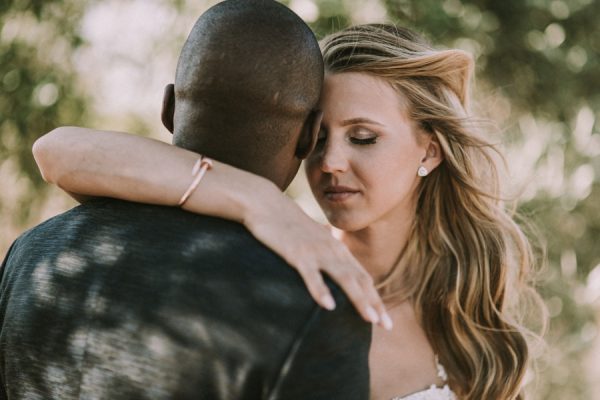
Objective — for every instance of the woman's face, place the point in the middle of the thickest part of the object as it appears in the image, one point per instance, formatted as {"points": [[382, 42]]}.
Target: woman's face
{"points": [[364, 167]]}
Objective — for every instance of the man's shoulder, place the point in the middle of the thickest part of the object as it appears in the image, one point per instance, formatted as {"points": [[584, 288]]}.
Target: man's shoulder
{"points": [[147, 222], [141, 214], [119, 214], [159, 230], [162, 243]]}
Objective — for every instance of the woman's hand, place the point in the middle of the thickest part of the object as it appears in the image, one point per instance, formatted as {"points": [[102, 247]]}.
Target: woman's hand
{"points": [[311, 249]]}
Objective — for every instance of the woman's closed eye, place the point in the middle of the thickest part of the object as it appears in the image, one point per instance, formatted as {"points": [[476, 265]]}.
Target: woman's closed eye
{"points": [[355, 136], [362, 137], [365, 141]]}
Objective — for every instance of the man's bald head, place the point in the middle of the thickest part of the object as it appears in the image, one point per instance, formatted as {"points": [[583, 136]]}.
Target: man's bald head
{"points": [[248, 77]]}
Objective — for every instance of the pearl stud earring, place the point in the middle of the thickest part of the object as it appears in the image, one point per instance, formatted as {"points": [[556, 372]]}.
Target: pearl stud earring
{"points": [[422, 171]]}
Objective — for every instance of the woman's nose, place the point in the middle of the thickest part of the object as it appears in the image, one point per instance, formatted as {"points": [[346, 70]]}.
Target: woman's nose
{"points": [[333, 158]]}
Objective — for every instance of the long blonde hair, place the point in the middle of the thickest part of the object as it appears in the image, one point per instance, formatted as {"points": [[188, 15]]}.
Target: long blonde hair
{"points": [[467, 264]]}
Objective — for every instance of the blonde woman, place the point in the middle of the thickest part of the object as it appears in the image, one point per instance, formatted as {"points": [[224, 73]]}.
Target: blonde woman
{"points": [[409, 187]]}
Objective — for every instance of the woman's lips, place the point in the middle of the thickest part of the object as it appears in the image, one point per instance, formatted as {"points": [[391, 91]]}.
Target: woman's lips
{"points": [[339, 193]]}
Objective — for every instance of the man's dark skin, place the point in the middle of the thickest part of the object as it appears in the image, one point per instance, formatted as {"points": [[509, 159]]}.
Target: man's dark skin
{"points": [[118, 300]]}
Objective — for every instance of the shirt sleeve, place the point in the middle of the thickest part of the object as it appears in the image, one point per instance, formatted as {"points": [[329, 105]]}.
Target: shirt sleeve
{"points": [[3, 394], [329, 358], [3, 266]]}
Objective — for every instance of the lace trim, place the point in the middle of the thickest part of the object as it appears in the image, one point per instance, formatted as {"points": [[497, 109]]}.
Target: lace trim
{"points": [[434, 392]]}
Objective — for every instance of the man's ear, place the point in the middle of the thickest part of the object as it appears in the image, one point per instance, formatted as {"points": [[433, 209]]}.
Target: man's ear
{"points": [[309, 134], [168, 107]]}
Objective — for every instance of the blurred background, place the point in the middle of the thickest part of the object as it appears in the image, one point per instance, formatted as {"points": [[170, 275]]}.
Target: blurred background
{"points": [[104, 64]]}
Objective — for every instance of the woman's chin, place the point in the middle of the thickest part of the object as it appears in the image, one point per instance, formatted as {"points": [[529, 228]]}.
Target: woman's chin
{"points": [[344, 222]]}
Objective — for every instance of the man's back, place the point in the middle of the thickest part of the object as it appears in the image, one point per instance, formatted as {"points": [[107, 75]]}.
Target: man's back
{"points": [[119, 300]]}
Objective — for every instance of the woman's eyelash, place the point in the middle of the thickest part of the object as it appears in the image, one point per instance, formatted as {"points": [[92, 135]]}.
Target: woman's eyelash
{"points": [[322, 137], [371, 140]]}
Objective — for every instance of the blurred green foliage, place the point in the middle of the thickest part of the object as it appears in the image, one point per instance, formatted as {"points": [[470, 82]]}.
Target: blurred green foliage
{"points": [[38, 91], [538, 75]]}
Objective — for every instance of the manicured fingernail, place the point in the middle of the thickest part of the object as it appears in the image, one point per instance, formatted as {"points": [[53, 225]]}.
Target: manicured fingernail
{"points": [[387, 322], [372, 315], [328, 302]]}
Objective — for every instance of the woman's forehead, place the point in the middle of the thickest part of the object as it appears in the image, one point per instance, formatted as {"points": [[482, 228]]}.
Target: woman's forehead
{"points": [[361, 93]]}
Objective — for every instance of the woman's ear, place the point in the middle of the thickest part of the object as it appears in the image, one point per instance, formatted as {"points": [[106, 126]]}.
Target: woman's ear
{"points": [[168, 107], [433, 154], [309, 134]]}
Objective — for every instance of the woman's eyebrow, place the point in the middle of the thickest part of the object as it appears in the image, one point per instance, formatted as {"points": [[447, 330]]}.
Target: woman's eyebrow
{"points": [[354, 121]]}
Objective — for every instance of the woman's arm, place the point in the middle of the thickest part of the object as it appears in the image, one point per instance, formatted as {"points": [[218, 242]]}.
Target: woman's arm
{"points": [[86, 162], [113, 164]]}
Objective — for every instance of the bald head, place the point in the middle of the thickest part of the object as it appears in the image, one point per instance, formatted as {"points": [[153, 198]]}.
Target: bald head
{"points": [[248, 78]]}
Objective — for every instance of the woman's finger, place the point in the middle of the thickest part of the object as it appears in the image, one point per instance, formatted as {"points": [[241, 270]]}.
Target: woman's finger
{"points": [[367, 297], [317, 287], [374, 299], [348, 281]]}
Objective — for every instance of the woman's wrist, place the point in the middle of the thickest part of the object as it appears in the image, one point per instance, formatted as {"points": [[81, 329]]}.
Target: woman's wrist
{"points": [[261, 199], [231, 193]]}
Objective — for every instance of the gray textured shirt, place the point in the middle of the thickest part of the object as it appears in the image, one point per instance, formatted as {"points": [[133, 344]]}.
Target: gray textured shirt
{"points": [[117, 300]]}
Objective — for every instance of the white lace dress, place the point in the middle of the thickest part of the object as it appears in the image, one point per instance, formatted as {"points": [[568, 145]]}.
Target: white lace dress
{"points": [[434, 392]]}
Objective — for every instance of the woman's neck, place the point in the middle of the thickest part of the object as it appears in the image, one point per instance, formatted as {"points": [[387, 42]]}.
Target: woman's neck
{"points": [[379, 246]]}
